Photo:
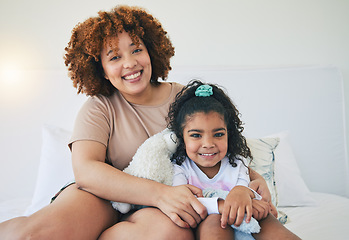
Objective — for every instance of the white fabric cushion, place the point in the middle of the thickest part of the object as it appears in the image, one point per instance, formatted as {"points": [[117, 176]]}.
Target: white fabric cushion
{"points": [[291, 188], [55, 168]]}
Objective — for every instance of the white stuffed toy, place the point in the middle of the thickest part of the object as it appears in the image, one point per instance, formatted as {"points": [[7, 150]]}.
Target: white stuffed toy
{"points": [[152, 161]]}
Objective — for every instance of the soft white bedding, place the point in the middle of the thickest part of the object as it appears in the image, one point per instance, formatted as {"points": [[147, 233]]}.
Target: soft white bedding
{"points": [[329, 219], [13, 208]]}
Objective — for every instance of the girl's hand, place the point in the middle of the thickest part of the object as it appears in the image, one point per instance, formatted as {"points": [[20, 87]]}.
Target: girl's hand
{"points": [[181, 206], [236, 205]]}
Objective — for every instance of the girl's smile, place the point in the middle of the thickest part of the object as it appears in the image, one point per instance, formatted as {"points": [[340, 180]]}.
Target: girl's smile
{"points": [[206, 141]]}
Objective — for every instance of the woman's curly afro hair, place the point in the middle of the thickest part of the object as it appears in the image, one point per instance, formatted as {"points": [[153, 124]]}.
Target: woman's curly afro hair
{"points": [[88, 39], [187, 104]]}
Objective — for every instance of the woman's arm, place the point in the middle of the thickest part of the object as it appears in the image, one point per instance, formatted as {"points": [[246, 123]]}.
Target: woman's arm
{"points": [[259, 185], [93, 175]]}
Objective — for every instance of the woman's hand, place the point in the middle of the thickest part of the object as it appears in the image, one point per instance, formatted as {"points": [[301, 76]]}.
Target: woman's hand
{"points": [[263, 207], [259, 185], [273, 210], [236, 205], [260, 209], [181, 206]]}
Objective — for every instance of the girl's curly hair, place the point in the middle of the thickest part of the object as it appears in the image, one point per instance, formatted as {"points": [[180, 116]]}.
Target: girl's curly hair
{"points": [[88, 39], [186, 104]]}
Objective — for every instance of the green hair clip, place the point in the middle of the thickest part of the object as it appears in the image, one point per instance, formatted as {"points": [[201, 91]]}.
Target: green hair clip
{"points": [[204, 91]]}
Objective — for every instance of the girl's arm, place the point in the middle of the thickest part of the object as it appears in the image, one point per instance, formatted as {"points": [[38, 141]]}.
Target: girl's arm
{"points": [[93, 175], [239, 200], [236, 205]]}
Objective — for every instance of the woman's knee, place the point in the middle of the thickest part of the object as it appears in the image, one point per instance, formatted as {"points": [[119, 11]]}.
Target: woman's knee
{"points": [[169, 230], [14, 229], [75, 214], [271, 228], [31, 228], [153, 224], [23, 228], [211, 228]]}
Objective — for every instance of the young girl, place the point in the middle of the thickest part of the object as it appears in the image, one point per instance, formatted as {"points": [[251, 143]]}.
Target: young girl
{"points": [[212, 154]]}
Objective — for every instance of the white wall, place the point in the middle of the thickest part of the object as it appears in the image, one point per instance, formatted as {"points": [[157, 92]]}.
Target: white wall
{"points": [[241, 33]]}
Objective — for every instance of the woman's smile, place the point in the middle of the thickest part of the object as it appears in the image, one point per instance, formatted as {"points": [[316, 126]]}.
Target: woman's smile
{"points": [[128, 68], [133, 76]]}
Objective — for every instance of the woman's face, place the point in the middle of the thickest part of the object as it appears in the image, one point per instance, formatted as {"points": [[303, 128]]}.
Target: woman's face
{"points": [[128, 69]]}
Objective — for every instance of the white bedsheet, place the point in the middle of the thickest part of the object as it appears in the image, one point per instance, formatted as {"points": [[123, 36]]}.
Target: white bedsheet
{"points": [[13, 208], [329, 219]]}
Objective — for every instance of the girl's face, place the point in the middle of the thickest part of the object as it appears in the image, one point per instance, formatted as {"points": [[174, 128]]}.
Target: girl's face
{"points": [[206, 140], [128, 69]]}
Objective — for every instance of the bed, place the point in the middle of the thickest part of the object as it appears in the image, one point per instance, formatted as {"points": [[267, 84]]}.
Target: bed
{"points": [[301, 107]]}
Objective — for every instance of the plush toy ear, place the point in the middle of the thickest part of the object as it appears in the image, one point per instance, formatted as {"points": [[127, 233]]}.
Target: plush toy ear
{"points": [[170, 139]]}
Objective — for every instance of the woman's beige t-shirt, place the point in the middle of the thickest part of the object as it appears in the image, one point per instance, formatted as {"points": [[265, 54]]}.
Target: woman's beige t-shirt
{"points": [[121, 126]]}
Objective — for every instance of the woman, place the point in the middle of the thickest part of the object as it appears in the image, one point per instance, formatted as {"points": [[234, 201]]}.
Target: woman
{"points": [[117, 58]]}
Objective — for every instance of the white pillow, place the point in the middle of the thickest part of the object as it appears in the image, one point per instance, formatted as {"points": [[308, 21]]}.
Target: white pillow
{"points": [[55, 168], [291, 188]]}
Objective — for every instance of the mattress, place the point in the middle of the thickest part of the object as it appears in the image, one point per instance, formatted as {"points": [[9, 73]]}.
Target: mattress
{"points": [[328, 219], [13, 208]]}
